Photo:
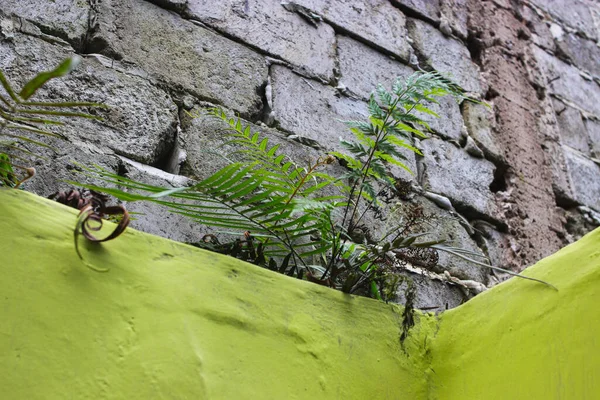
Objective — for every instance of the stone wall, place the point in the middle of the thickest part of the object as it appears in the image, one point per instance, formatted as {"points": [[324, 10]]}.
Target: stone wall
{"points": [[515, 181]]}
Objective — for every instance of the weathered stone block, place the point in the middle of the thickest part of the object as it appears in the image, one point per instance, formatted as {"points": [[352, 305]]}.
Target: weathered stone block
{"points": [[141, 121], [312, 110], [270, 27], [480, 122], [538, 25], [582, 52], [315, 111], [185, 55], [432, 294], [446, 55], [571, 128], [362, 68], [429, 9], [67, 19], [566, 81], [450, 122], [593, 131], [443, 225], [455, 15], [561, 183], [448, 227], [585, 178], [451, 172], [157, 219], [375, 21], [575, 13], [205, 144]]}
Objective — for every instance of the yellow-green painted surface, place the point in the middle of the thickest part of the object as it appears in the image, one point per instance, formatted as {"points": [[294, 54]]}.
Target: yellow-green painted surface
{"points": [[169, 321], [523, 340]]}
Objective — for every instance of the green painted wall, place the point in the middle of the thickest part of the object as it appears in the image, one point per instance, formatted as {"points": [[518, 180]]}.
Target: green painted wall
{"points": [[169, 321], [523, 340]]}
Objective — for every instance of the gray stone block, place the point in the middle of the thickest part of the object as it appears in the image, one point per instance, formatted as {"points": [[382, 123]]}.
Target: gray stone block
{"points": [[593, 131], [205, 139], [448, 227], [141, 121], [270, 27], [455, 15], [561, 183], [429, 9], [572, 131], [566, 81], [313, 110], [585, 178], [157, 219], [67, 19], [449, 123], [538, 25], [442, 225], [465, 180], [480, 122], [181, 53], [376, 21], [446, 55], [577, 14], [362, 68], [433, 295], [582, 52]]}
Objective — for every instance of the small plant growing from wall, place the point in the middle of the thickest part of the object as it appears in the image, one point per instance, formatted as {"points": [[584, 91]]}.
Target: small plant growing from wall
{"points": [[23, 122], [301, 220]]}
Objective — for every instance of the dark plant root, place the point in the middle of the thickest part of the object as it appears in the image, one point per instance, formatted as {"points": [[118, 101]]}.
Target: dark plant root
{"points": [[93, 210], [408, 315]]}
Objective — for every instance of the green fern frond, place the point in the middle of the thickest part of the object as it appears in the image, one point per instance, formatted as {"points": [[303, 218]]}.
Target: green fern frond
{"points": [[17, 113]]}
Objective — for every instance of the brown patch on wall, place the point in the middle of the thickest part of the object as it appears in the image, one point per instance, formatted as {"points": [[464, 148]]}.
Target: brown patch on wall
{"points": [[503, 48]]}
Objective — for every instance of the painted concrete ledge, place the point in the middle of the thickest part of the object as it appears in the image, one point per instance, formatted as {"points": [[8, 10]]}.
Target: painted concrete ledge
{"points": [[169, 321], [526, 341]]}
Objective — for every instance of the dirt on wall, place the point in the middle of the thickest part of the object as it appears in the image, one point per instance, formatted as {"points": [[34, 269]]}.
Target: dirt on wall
{"points": [[501, 44]]}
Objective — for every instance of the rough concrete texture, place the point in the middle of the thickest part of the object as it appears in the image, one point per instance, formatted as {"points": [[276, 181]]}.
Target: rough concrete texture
{"points": [[524, 190], [359, 17], [445, 55], [271, 28], [524, 166], [185, 55]]}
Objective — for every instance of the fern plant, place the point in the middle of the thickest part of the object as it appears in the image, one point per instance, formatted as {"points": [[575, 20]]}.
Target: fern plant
{"points": [[23, 121], [290, 220]]}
